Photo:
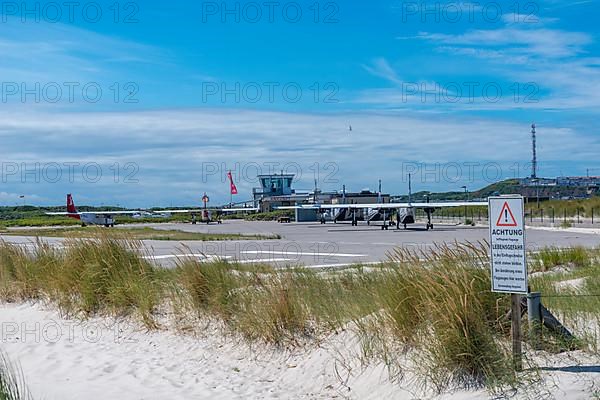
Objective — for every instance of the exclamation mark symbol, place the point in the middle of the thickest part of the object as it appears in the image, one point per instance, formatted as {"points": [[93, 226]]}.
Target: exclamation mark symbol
{"points": [[506, 215]]}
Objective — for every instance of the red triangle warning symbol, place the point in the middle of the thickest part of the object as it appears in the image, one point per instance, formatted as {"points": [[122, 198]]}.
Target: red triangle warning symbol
{"points": [[506, 217]]}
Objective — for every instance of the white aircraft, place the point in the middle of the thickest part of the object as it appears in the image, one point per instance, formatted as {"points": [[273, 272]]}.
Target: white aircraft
{"points": [[405, 212], [105, 218]]}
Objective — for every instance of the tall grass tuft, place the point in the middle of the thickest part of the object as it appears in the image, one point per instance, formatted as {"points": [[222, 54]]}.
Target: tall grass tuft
{"points": [[12, 386], [440, 303], [274, 311], [103, 275], [210, 288], [551, 257]]}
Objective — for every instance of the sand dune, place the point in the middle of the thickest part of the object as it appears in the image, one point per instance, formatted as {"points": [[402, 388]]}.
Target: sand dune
{"points": [[105, 359]]}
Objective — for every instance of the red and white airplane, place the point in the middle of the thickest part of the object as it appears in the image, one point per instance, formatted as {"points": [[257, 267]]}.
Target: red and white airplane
{"points": [[105, 218]]}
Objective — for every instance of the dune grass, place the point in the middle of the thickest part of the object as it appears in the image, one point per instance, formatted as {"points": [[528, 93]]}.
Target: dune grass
{"points": [[12, 386], [107, 275], [548, 258], [569, 281], [436, 306]]}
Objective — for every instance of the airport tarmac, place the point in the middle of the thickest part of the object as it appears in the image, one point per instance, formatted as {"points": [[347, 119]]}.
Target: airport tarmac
{"points": [[324, 246]]}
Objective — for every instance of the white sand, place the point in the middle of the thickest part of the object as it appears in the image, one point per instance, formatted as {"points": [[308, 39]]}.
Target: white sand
{"points": [[64, 359]]}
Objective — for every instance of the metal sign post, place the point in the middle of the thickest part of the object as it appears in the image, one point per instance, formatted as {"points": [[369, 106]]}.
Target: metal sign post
{"points": [[508, 259]]}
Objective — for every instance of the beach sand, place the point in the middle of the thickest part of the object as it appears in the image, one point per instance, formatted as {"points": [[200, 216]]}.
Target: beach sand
{"points": [[104, 359]]}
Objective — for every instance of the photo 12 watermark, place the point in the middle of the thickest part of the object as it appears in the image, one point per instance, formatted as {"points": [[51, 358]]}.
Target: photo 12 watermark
{"points": [[69, 172], [469, 92], [269, 92], [254, 12], [462, 172], [456, 12], [69, 92], [63, 331], [70, 12], [250, 172]]}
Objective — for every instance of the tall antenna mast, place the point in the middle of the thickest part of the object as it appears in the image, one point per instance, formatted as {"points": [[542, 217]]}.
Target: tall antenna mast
{"points": [[534, 160]]}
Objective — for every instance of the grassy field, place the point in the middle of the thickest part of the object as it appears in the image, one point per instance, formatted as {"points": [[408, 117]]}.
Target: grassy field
{"points": [[436, 306], [571, 207], [569, 280], [29, 216], [143, 233]]}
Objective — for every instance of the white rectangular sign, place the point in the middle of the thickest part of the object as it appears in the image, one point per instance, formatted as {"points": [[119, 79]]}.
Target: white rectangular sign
{"points": [[507, 241]]}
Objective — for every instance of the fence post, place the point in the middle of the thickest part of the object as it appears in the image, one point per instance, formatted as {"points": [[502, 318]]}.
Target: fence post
{"points": [[531, 215], [592, 215], [515, 311], [565, 216], [542, 215], [578, 221], [552, 214], [534, 316]]}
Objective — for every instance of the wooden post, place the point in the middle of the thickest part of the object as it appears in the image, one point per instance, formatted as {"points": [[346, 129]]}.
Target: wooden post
{"points": [[515, 319]]}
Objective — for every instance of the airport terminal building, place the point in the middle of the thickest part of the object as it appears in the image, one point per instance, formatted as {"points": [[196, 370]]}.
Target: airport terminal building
{"points": [[277, 190]]}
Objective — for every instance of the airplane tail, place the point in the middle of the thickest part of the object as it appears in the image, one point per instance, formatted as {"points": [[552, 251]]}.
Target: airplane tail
{"points": [[71, 205]]}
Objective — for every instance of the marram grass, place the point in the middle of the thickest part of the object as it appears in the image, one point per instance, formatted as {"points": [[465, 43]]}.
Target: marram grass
{"points": [[435, 305], [12, 385]]}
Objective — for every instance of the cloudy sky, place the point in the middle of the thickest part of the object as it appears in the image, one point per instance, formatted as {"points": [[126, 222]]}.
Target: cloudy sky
{"points": [[151, 103]]}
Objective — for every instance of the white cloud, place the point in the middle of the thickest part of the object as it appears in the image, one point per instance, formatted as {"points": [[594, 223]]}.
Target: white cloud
{"points": [[171, 149], [554, 62], [546, 43], [381, 68]]}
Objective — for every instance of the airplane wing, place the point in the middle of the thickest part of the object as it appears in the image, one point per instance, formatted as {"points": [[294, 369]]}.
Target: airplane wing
{"points": [[178, 211], [451, 204], [128, 212], [409, 205], [385, 205], [302, 207], [199, 210]]}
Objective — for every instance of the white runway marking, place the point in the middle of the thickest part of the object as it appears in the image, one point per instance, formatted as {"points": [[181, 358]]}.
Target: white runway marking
{"points": [[343, 265], [193, 255], [209, 258], [301, 253], [264, 260]]}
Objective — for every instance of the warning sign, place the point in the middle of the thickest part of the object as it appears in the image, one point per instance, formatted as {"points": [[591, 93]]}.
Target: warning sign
{"points": [[506, 217], [507, 242]]}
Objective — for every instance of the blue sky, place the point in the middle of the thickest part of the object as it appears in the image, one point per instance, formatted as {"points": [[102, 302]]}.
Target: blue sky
{"points": [[151, 103]]}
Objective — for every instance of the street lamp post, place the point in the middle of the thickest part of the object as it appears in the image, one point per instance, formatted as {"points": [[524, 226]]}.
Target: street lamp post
{"points": [[467, 195]]}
